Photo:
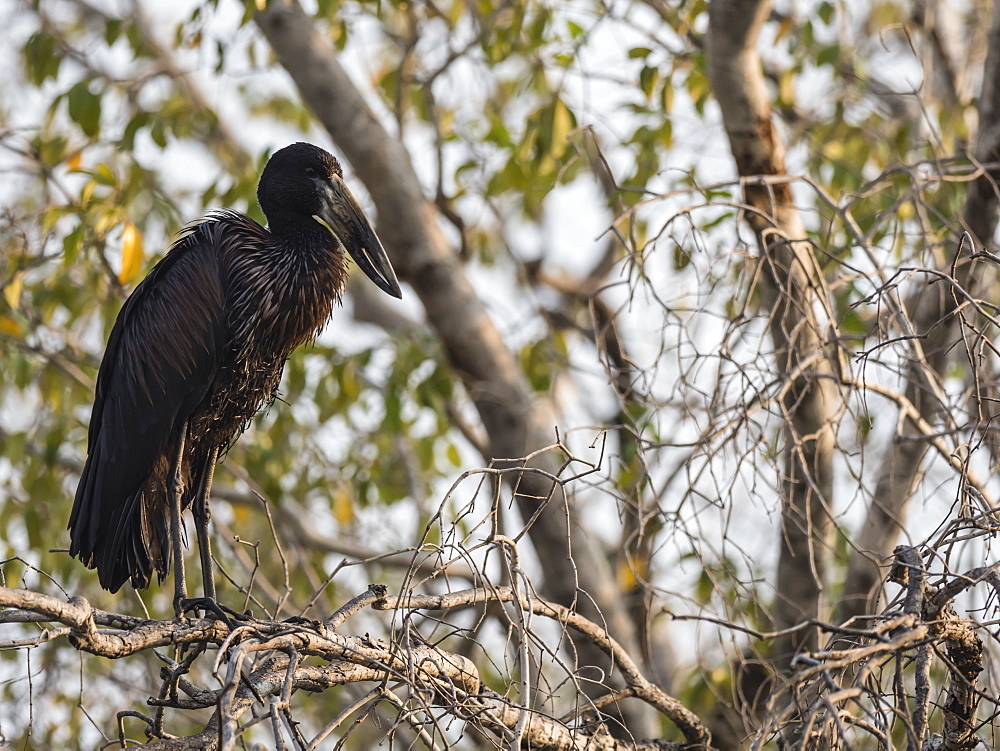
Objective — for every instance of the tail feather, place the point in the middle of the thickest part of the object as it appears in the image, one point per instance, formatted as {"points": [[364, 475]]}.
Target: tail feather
{"points": [[124, 538]]}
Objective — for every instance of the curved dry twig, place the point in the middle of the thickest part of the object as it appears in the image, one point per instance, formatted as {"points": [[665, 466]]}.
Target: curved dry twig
{"points": [[452, 680], [832, 687]]}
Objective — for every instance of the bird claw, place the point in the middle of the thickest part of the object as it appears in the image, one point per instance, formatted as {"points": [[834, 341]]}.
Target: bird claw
{"points": [[221, 612], [298, 620]]}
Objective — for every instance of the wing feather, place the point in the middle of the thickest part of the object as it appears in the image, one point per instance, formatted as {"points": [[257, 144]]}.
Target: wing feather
{"points": [[163, 354]]}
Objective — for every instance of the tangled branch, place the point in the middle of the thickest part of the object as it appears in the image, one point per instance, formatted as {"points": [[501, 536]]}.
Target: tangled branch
{"points": [[838, 691], [261, 665]]}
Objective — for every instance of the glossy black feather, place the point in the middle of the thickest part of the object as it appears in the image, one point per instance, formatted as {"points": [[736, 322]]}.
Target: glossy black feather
{"points": [[201, 343]]}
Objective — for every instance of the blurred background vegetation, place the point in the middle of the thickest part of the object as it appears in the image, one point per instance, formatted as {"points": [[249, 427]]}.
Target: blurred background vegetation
{"points": [[580, 171]]}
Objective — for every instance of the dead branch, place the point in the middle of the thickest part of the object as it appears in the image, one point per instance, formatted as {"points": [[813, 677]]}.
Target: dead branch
{"points": [[800, 325], [451, 679], [833, 687], [689, 724]]}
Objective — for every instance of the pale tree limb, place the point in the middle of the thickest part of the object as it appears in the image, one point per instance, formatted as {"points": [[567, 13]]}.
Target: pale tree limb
{"points": [[638, 686], [800, 327], [933, 318], [451, 679]]}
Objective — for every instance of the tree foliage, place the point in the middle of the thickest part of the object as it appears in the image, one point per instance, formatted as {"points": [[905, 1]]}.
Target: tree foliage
{"points": [[698, 328]]}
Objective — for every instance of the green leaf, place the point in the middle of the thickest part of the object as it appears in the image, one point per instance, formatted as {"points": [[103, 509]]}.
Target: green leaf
{"points": [[681, 258], [41, 58], [139, 120], [828, 55], [51, 151], [85, 109], [158, 134], [71, 244], [112, 29], [103, 174], [647, 80]]}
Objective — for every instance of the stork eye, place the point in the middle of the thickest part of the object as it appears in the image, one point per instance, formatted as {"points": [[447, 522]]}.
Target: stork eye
{"points": [[310, 172]]}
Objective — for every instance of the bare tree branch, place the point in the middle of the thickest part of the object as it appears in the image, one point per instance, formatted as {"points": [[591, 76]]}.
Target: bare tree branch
{"points": [[692, 727], [838, 687], [800, 327], [451, 678], [933, 316]]}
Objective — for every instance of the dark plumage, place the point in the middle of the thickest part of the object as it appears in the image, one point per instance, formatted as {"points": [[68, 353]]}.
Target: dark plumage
{"points": [[199, 348]]}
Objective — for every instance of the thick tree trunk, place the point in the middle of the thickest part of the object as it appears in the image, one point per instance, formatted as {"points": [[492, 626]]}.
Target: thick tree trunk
{"points": [[933, 317], [795, 293], [517, 422]]}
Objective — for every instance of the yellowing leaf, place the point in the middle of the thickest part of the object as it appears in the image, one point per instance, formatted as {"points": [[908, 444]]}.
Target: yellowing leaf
{"points": [[343, 509], [105, 223], [784, 28], [786, 87], [562, 123], [12, 291], [9, 326], [131, 253], [241, 515], [626, 577], [103, 174]]}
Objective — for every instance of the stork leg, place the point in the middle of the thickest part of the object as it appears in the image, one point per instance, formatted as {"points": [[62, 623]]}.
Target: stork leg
{"points": [[176, 525], [202, 516]]}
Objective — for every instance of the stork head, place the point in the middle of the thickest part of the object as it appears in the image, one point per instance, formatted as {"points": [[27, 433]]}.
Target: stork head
{"points": [[301, 185]]}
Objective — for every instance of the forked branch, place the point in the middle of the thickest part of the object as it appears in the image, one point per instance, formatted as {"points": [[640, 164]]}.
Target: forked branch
{"points": [[259, 661]]}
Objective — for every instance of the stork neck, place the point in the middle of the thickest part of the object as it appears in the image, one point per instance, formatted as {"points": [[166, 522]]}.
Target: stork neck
{"points": [[302, 237]]}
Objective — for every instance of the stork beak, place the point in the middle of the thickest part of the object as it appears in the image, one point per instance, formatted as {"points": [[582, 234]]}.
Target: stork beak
{"points": [[345, 220]]}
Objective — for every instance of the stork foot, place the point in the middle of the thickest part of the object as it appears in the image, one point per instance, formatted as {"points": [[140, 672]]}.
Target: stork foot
{"points": [[210, 606]]}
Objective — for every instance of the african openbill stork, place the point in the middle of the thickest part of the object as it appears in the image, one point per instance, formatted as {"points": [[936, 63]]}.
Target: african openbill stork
{"points": [[198, 349]]}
